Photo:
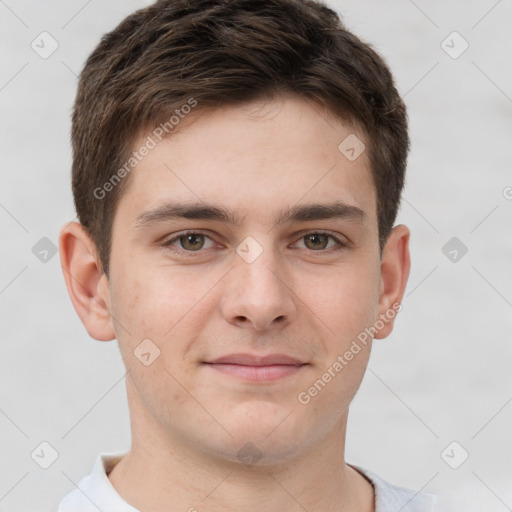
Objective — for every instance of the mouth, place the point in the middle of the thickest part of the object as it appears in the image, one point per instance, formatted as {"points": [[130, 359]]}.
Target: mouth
{"points": [[257, 368]]}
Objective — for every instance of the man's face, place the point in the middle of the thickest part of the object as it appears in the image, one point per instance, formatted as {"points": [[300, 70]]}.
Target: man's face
{"points": [[261, 286]]}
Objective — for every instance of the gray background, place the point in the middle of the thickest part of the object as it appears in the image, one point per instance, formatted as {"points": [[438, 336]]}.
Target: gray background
{"points": [[444, 373]]}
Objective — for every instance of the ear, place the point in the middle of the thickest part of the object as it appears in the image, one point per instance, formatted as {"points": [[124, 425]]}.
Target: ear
{"points": [[85, 280], [395, 267]]}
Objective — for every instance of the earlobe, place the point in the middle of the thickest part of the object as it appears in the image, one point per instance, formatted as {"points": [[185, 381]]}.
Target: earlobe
{"points": [[85, 281], [395, 267]]}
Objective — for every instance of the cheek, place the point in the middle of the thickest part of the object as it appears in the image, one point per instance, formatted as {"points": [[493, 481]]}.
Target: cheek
{"points": [[346, 301], [151, 316], [345, 304], [165, 304], [146, 300]]}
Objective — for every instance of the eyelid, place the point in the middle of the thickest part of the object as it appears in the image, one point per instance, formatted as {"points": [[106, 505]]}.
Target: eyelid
{"points": [[340, 244], [340, 239], [176, 237]]}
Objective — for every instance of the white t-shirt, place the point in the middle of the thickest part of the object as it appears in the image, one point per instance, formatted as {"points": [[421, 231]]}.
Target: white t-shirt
{"points": [[95, 492]]}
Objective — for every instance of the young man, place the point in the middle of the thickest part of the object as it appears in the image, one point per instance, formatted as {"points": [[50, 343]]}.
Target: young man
{"points": [[237, 171]]}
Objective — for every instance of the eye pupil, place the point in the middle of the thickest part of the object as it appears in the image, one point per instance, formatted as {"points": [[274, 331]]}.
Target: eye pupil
{"points": [[193, 239], [195, 242], [315, 237]]}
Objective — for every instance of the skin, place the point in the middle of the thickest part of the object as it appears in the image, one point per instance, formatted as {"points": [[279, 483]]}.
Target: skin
{"points": [[299, 298]]}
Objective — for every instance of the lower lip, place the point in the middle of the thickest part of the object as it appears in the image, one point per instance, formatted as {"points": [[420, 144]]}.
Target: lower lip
{"points": [[257, 373]]}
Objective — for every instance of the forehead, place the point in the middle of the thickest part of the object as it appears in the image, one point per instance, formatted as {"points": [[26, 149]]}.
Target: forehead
{"points": [[254, 159]]}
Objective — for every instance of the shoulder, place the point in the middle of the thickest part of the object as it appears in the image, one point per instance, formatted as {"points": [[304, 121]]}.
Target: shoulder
{"points": [[94, 491], [389, 497]]}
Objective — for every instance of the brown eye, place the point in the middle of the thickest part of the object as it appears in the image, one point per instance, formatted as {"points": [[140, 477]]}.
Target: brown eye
{"points": [[189, 242], [192, 242], [316, 241]]}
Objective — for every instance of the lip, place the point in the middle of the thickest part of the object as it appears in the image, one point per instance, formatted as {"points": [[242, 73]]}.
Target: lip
{"points": [[257, 368], [255, 360]]}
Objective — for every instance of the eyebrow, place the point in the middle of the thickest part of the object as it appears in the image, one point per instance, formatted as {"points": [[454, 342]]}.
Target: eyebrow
{"points": [[203, 211]]}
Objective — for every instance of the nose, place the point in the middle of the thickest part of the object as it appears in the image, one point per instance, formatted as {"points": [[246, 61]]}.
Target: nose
{"points": [[258, 293]]}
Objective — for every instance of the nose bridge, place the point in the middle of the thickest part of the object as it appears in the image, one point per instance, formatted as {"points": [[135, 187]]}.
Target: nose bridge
{"points": [[258, 263], [259, 292]]}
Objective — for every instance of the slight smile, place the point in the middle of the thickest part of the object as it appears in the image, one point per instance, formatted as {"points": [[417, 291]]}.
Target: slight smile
{"points": [[257, 368]]}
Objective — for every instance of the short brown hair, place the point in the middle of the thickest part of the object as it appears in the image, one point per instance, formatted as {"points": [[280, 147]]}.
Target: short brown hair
{"points": [[219, 52]]}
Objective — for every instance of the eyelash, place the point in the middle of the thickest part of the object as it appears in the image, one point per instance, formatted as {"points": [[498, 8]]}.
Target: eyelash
{"points": [[168, 243]]}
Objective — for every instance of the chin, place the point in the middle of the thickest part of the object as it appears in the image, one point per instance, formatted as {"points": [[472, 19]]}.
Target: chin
{"points": [[261, 452]]}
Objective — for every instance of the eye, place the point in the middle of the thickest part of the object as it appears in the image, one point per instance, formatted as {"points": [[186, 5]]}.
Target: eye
{"points": [[318, 240], [191, 241]]}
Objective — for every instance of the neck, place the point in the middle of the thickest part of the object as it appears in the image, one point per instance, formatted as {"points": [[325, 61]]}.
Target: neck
{"points": [[161, 470]]}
